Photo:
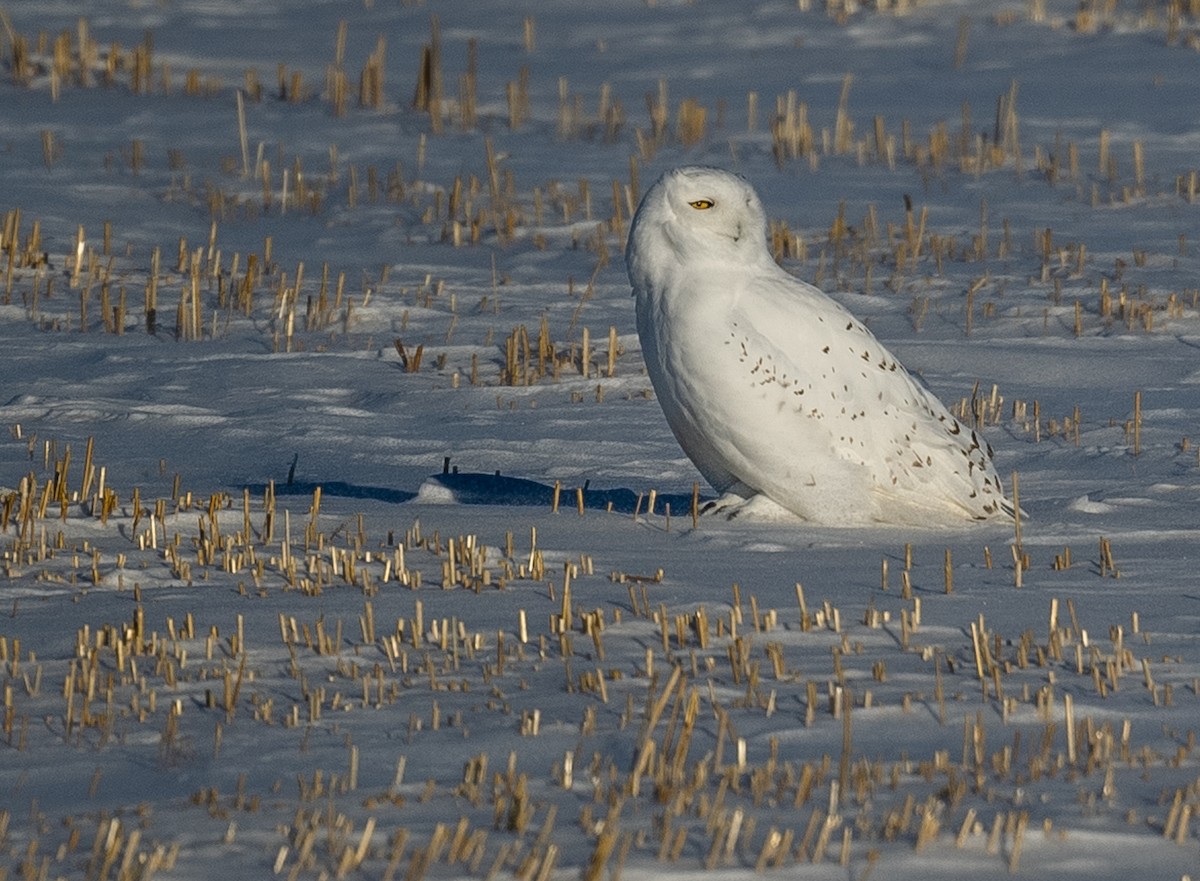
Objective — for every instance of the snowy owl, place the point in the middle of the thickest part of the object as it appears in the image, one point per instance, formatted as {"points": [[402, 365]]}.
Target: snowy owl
{"points": [[774, 390]]}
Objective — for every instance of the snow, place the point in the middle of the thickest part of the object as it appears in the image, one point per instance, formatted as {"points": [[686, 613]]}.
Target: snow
{"points": [[376, 678]]}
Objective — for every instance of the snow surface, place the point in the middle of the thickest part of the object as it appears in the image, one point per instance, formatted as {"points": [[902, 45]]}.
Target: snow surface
{"points": [[275, 628]]}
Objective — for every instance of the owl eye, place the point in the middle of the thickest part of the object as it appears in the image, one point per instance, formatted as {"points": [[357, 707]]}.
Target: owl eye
{"points": [[702, 204]]}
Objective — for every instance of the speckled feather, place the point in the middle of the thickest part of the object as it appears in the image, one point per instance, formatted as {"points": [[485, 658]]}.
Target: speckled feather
{"points": [[773, 389]]}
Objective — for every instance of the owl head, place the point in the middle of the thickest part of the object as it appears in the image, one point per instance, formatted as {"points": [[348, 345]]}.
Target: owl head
{"points": [[696, 214]]}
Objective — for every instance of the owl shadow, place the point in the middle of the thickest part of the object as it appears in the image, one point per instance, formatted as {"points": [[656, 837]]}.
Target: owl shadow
{"points": [[334, 488], [481, 488]]}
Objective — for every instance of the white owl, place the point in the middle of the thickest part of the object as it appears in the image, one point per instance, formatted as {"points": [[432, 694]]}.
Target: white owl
{"points": [[773, 389]]}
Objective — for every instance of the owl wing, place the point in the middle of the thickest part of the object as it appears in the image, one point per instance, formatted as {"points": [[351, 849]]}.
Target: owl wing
{"points": [[794, 350]]}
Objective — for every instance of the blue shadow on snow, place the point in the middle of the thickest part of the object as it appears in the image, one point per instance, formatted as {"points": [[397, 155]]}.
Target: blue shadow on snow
{"points": [[476, 488]]}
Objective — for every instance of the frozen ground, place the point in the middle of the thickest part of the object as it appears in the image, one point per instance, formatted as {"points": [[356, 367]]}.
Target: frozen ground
{"points": [[250, 629]]}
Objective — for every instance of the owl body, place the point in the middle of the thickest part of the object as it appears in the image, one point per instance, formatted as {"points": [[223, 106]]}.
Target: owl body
{"points": [[773, 389]]}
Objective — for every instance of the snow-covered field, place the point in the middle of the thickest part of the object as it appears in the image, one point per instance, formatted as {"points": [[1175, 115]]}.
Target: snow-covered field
{"points": [[342, 535]]}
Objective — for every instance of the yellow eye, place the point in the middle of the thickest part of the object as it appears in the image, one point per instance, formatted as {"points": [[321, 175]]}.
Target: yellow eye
{"points": [[701, 204]]}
